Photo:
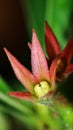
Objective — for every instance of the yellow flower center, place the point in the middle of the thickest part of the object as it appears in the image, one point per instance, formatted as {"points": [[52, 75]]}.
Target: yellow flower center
{"points": [[42, 88]]}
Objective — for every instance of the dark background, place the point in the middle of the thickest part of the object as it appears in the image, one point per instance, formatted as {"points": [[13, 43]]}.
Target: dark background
{"points": [[13, 35]]}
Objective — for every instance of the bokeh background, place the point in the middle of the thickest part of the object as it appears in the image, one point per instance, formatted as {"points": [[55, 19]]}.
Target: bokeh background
{"points": [[17, 19]]}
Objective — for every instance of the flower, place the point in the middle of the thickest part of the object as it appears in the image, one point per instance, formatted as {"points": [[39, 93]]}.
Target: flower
{"points": [[41, 82], [64, 67]]}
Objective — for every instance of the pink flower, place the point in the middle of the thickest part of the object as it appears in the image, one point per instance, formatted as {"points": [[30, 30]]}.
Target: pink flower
{"points": [[64, 67], [41, 82]]}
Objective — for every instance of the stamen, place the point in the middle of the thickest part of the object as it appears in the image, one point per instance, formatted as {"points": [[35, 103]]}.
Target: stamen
{"points": [[60, 67]]}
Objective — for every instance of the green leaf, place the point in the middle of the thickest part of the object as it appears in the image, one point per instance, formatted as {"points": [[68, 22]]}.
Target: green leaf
{"points": [[35, 17], [4, 87], [14, 103], [4, 124]]}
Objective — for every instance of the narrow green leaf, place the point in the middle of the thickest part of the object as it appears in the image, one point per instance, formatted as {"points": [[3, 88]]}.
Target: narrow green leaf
{"points": [[4, 124], [4, 87], [14, 103]]}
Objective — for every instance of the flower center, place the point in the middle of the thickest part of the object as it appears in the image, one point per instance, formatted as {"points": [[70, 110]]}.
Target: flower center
{"points": [[42, 88]]}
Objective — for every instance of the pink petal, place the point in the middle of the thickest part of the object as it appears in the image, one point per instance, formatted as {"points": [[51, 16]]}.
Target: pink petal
{"points": [[22, 95], [67, 53], [29, 45], [23, 74], [52, 45], [38, 60], [69, 69], [53, 71]]}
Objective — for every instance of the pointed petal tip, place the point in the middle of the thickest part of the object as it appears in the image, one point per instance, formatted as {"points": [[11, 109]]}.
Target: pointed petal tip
{"points": [[67, 52], [33, 30], [38, 60], [46, 23], [33, 34], [9, 55], [29, 45], [51, 42], [7, 52], [22, 73], [21, 95]]}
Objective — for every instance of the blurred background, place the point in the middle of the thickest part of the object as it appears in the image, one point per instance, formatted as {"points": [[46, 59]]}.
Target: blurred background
{"points": [[17, 19]]}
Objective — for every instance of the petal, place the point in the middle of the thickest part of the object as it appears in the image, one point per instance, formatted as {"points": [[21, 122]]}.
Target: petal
{"points": [[67, 53], [23, 74], [22, 95], [69, 69], [38, 60], [53, 71], [52, 45], [29, 45]]}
